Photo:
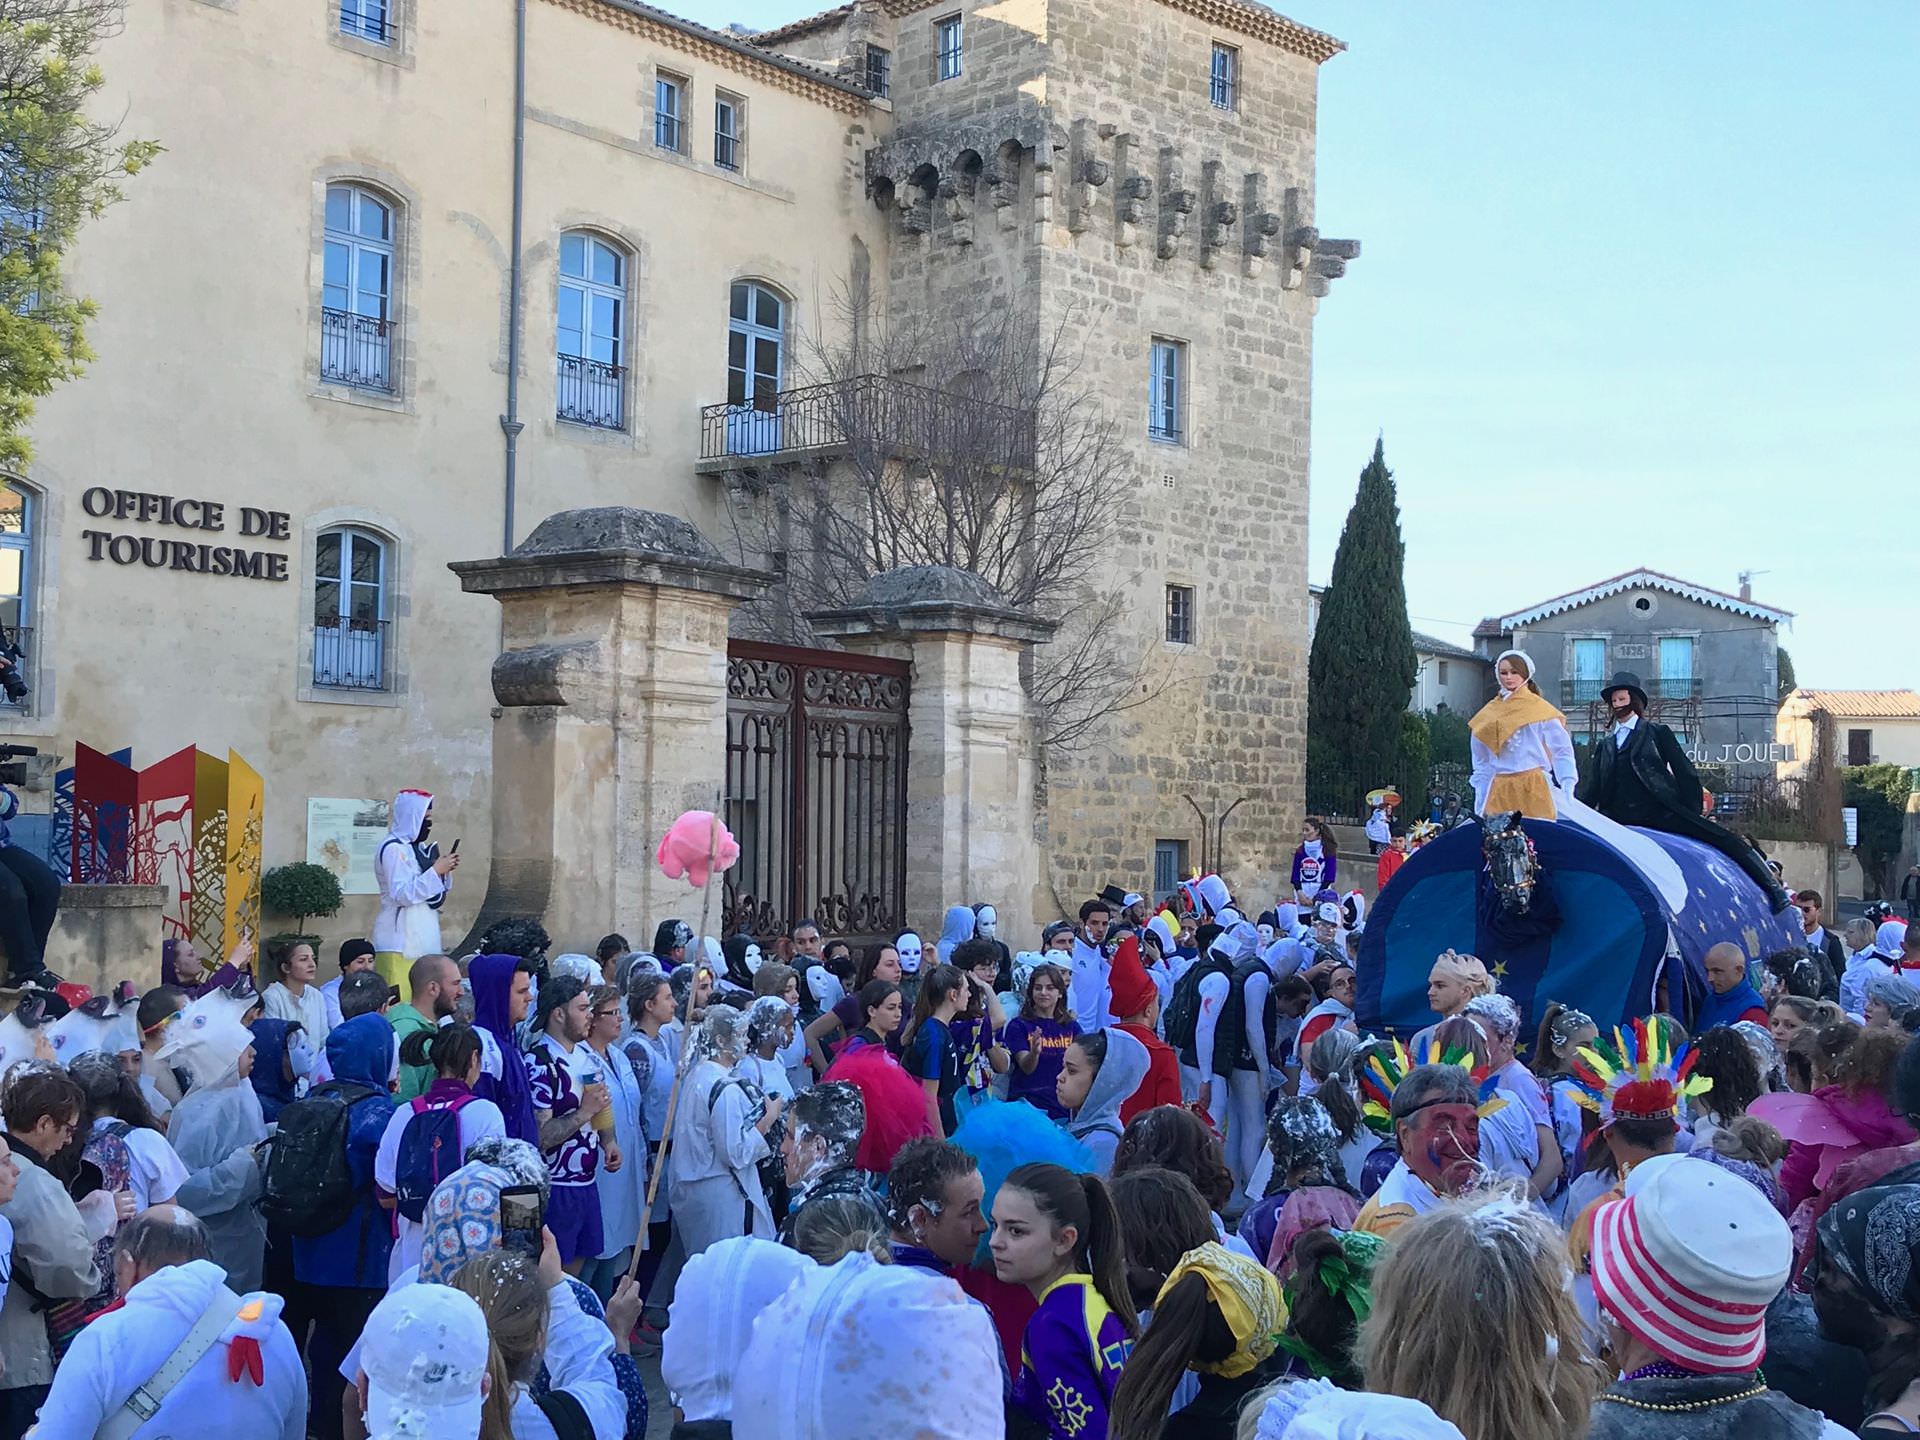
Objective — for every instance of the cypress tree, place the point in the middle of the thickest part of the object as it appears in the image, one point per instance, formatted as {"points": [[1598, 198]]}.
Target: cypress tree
{"points": [[1362, 668]]}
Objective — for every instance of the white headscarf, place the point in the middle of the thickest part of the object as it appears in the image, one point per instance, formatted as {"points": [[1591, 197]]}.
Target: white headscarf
{"points": [[864, 1351], [1525, 660], [583, 968], [1317, 1410], [721, 1291]]}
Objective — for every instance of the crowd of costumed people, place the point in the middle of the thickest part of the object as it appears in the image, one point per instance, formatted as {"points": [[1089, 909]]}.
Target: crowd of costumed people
{"points": [[1151, 1177]]}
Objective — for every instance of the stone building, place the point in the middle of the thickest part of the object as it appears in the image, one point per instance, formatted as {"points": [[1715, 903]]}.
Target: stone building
{"points": [[1709, 660], [357, 325]]}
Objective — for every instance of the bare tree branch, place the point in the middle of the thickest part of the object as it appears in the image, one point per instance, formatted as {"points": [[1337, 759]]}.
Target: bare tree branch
{"points": [[969, 443]]}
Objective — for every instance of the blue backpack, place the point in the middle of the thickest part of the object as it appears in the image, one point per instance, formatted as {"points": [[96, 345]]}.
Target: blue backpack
{"points": [[429, 1152]]}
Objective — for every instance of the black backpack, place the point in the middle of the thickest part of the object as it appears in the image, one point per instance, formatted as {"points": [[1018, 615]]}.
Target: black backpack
{"points": [[309, 1187]]}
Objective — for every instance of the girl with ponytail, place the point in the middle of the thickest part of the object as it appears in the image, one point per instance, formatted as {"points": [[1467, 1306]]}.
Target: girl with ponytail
{"points": [[453, 1051], [1057, 1234], [1219, 1316]]}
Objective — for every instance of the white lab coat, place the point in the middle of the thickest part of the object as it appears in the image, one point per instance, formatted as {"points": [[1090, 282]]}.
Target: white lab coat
{"points": [[407, 923], [717, 1148]]}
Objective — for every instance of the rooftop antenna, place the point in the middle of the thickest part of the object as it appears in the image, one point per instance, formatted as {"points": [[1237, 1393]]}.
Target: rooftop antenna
{"points": [[1746, 582]]}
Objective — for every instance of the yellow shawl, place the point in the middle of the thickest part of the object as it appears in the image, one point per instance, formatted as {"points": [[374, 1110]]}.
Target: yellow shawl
{"points": [[1500, 718]]}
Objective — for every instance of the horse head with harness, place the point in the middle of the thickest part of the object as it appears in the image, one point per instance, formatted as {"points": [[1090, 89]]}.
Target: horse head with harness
{"points": [[1511, 861]]}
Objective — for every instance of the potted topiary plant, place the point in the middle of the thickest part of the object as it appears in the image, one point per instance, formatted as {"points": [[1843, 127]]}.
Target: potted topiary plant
{"points": [[302, 890]]}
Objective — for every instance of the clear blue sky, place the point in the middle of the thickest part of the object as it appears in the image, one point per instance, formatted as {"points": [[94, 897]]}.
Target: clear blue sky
{"points": [[1640, 286]]}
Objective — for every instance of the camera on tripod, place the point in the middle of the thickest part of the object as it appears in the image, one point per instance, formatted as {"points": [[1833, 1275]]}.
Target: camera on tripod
{"points": [[11, 679], [13, 771]]}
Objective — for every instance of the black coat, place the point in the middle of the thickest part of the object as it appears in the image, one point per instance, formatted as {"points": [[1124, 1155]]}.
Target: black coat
{"points": [[1654, 758], [1650, 782]]}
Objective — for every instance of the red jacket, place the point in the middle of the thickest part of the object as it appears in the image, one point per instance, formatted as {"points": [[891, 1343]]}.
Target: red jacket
{"points": [[1162, 1085], [1390, 862]]}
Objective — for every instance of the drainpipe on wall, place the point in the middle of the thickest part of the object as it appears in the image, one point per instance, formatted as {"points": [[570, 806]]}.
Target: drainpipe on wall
{"points": [[510, 424]]}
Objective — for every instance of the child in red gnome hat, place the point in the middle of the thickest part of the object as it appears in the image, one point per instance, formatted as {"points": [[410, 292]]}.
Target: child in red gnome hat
{"points": [[1136, 1000]]}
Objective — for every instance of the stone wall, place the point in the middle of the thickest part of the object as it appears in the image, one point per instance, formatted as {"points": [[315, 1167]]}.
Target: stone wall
{"points": [[1116, 202], [108, 933]]}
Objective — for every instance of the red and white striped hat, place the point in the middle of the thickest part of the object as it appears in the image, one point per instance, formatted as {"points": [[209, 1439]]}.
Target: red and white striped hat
{"points": [[1689, 1264]]}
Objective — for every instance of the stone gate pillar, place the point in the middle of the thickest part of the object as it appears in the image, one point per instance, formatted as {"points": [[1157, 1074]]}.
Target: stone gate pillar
{"points": [[611, 683], [970, 764]]}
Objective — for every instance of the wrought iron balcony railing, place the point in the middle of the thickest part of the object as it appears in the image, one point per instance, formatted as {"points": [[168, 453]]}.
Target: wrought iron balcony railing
{"points": [[590, 392], [1587, 692], [888, 415], [357, 350], [350, 655], [367, 23]]}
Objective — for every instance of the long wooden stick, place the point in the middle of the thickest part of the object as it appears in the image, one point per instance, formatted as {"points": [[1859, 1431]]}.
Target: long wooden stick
{"points": [[685, 1061]]}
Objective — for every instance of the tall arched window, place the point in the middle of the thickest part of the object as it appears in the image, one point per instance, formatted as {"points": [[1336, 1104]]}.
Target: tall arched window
{"points": [[356, 297], [16, 582], [756, 362], [351, 629], [590, 384]]}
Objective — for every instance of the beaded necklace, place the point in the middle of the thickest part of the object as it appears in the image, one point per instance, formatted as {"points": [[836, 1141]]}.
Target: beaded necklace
{"points": [[1663, 1370]]}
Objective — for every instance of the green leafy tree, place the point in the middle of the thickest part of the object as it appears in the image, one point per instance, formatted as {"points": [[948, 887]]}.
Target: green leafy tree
{"points": [[1785, 667], [1449, 739], [300, 890], [1362, 667], [60, 166], [1415, 761], [1879, 793]]}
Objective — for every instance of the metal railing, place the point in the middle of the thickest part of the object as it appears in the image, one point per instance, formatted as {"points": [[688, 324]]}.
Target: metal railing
{"points": [[357, 350], [350, 654], [870, 410], [367, 25], [1586, 692], [590, 392]]}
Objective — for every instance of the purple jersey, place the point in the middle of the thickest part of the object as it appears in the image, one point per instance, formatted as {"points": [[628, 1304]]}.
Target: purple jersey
{"points": [[1071, 1359], [1048, 1040], [556, 1079]]}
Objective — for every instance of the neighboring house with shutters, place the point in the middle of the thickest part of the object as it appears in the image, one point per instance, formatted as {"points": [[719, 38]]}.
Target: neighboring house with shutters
{"points": [[1870, 727], [1708, 659]]}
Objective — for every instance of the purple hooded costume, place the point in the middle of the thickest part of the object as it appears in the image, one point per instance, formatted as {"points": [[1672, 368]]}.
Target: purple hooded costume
{"points": [[490, 977]]}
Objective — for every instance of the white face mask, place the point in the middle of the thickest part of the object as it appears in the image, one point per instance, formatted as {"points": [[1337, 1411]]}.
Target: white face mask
{"points": [[1266, 935], [987, 923], [754, 960], [300, 1059], [910, 950]]}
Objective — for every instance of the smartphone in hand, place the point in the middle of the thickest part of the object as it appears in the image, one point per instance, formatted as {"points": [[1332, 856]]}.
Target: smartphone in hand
{"points": [[521, 1219]]}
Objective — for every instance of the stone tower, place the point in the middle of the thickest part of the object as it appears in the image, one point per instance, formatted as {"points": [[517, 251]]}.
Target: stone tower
{"points": [[1130, 172]]}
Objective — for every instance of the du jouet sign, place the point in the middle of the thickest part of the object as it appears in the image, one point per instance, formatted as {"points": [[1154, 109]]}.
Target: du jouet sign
{"points": [[1764, 753], [196, 556]]}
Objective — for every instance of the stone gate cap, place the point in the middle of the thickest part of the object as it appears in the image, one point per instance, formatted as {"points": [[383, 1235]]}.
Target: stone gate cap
{"points": [[608, 544], [929, 598]]}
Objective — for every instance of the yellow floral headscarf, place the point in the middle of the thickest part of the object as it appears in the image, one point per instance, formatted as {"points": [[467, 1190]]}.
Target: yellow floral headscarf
{"points": [[1248, 1297]]}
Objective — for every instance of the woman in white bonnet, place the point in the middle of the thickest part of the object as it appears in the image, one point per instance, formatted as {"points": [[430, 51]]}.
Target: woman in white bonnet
{"points": [[864, 1351]]}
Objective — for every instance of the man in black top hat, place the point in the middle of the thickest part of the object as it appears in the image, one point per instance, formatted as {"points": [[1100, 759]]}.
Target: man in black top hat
{"points": [[1639, 775]]}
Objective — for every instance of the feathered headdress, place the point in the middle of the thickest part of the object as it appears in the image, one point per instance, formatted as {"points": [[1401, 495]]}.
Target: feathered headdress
{"points": [[1639, 1075], [1385, 1069]]}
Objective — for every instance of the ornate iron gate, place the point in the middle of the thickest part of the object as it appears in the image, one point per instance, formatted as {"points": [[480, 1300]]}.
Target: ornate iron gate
{"points": [[816, 791]]}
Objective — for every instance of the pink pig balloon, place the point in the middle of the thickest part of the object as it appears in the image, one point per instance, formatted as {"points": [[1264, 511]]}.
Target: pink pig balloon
{"points": [[684, 848]]}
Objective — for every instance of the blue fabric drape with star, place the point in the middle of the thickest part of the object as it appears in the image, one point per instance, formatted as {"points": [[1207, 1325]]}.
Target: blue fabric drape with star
{"points": [[1604, 953]]}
